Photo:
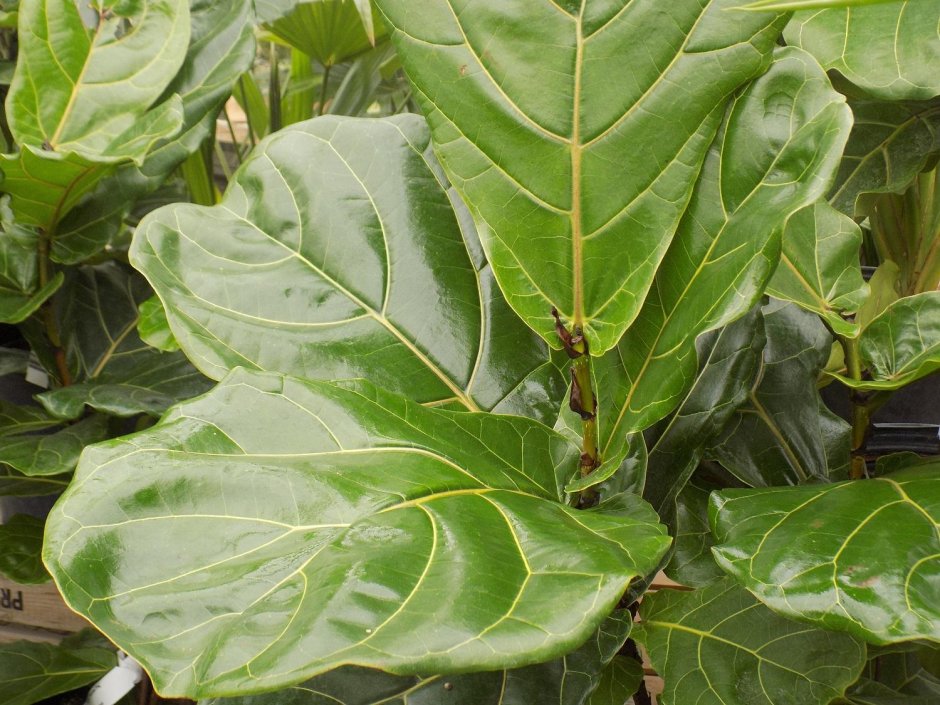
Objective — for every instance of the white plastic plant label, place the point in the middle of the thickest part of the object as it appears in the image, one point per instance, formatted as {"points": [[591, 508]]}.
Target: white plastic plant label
{"points": [[117, 682], [35, 374]]}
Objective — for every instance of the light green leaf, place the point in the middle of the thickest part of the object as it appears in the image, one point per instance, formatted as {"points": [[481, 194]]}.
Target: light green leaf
{"points": [[819, 267], [363, 267], [566, 171], [785, 434], [720, 646], [759, 171], [891, 142], [730, 358], [221, 47], [565, 681], [884, 292], [153, 326], [30, 672], [619, 681], [834, 554], [87, 91], [328, 525], [330, 31], [902, 344], [20, 549], [113, 370], [889, 50]]}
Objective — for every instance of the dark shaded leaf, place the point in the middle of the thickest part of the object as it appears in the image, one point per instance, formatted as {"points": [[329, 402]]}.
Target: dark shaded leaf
{"points": [[21, 549]]}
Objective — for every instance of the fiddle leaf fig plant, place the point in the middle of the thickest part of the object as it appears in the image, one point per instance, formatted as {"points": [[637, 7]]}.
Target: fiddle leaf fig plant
{"points": [[468, 364]]}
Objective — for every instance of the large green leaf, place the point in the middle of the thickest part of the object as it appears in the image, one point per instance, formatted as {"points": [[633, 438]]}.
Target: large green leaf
{"points": [[357, 268], [566, 681], [897, 676], [720, 646], [31, 672], [785, 434], [330, 31], [565, 170], [762, 168], [889, 50], [316, 525], [83, 100], [113, 370], [16, 484], [21, 548], [890, 144], [858, 556], [902, 344], [819, 266], [782, 5], [619, 681], [221, 48]]}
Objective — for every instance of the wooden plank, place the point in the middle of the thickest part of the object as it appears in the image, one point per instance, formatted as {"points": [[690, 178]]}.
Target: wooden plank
{"points": [[37, 606], [17, 632]]}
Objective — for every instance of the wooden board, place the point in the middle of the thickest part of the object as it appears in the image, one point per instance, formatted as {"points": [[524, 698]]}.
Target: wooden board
{"points": [[37, 606]]}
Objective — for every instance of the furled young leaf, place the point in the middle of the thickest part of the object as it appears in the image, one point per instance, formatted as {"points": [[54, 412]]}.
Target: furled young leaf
{"points": [[891, 142], [889, 50], [20, 549], [330, 31], [720, 646], [357, 268], [113, 370], [902, 344], [221, 48], [318, 525], [819, 266], [565, 170], [836, 555], [692, 563], [785, 434], [565, 681], [730, 358], [30, 671], [758, 172]]}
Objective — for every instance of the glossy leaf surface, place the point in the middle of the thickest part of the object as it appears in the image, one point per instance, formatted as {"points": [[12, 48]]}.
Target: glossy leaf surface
{"points": [[889, 50], [221, 48], [785, 5], [730, 359], [355, 268], [692, 563], [565, 681], [764, 166], [891, 142], [720, 646], [80, 90], [819, 266], [902, 344], [16, 484], [20, 550], [619, 681], [833, 554], [566, 171], [897, 677], [20, 292], [53, 454], [30, 671], [785, 434], [317, 525], [153, 326]]}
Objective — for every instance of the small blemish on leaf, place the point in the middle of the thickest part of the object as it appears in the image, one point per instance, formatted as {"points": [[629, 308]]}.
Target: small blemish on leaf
{"points": [[448, 686], [463, 70]]}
